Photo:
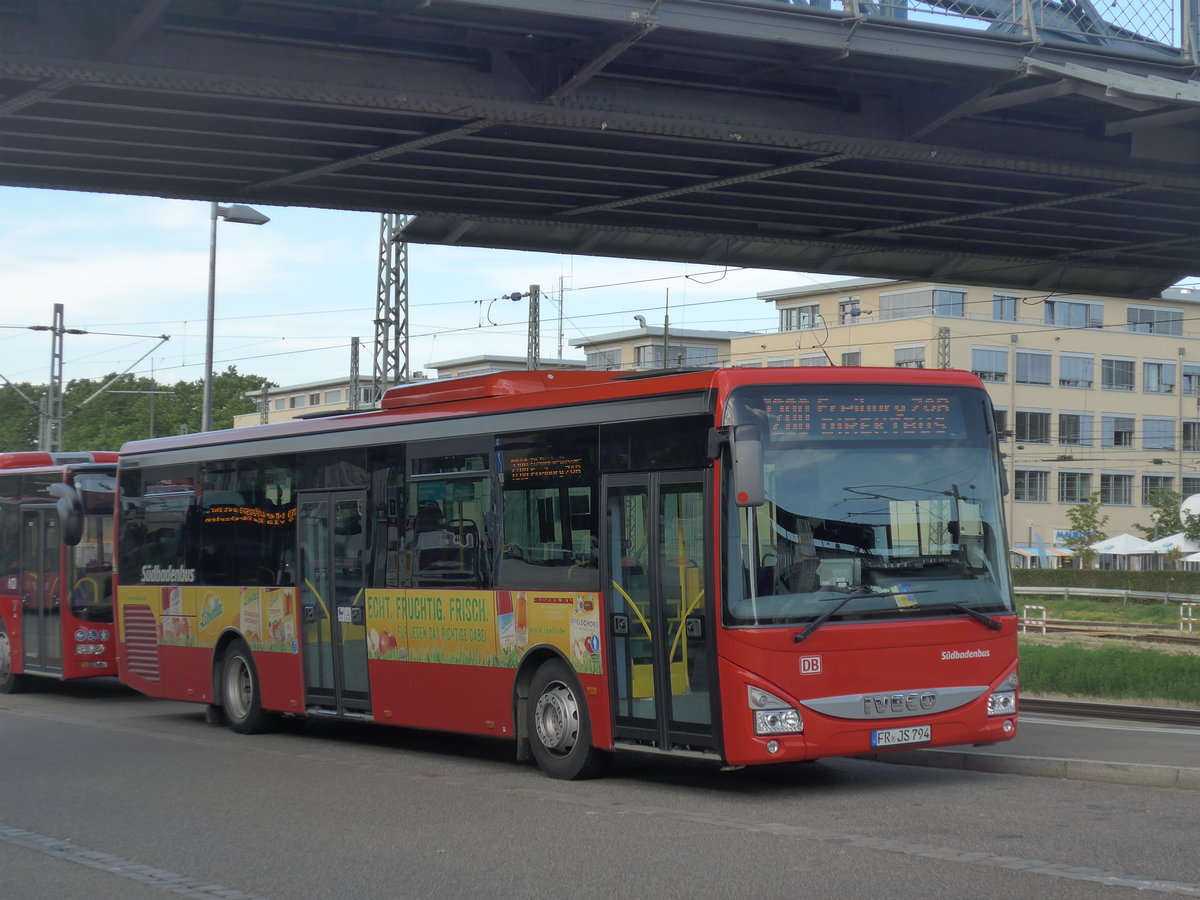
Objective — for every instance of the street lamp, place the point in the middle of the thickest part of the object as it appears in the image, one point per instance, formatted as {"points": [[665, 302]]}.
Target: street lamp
{"points": [[244, 215]]}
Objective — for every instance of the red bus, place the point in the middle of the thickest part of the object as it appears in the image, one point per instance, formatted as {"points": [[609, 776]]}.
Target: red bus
{"points": [[56, 553], [742, 565]]}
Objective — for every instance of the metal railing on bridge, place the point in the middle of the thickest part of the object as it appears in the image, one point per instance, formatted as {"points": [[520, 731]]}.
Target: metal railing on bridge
{"points": [[1162, 30]]}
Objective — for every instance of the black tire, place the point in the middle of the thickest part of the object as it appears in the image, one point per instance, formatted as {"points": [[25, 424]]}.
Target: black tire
{"points": [[241, 696], [10, 681], [558, 726]]}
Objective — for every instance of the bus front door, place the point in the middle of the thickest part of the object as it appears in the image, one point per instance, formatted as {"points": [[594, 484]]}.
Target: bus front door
{"points": [[659, 623], [331, 543], [41, 591]]}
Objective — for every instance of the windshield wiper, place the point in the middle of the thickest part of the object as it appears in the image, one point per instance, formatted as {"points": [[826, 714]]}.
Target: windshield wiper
{"points": [[983, 618], [800, 636]]}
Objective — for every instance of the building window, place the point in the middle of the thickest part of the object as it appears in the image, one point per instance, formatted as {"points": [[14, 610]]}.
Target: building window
{"points": [[851, 358], [799, 318], [1158, 377], [849, 310], [604, 360], [814, 360], [1147, 320], [334, 396], [295, 402], [1152, 483], [1158, 434], [1116, 374], [910, 357], [1076, 371], [1074, 487], [1000, 418], [1116, 431], [1033, 368], [1191, 379], [314, 399], [1116, 490], [1073, 314], [989, 364], [1004, 307], [281, 403], [1031, 485], [1191, 485], [779, 363], [931, 301], [1033, 427], [1191, 436], [1075, 429]]}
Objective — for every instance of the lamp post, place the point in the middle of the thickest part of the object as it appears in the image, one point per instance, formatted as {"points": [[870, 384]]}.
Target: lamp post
{"points": [[244, 215]]}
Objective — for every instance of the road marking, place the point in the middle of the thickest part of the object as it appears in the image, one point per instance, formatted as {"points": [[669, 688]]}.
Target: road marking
{"points": [[171, 882], [928, 851]]}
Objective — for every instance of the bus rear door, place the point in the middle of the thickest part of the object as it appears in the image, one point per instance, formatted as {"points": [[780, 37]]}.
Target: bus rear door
{"points": [[332, 605], [659, 623]]}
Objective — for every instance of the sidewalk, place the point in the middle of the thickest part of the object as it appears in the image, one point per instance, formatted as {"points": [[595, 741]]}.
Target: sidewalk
{"points": [[1108, 751]]}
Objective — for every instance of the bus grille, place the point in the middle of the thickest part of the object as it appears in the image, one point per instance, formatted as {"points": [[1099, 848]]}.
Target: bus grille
{"points": [[141, 642]]}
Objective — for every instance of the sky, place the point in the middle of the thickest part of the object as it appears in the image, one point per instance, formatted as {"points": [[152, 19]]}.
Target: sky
{"points": [[292, 294]]}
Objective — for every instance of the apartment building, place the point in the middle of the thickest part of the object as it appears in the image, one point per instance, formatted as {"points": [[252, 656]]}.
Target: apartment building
{"points": [[1091, 393]]}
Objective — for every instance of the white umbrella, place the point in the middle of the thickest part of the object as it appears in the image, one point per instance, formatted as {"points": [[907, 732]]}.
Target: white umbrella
{"points": [[1171, 542], [1122, 545]]}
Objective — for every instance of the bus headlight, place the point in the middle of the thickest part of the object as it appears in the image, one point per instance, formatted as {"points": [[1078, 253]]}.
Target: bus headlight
{"points": [[1003, 700], [772, 715]]}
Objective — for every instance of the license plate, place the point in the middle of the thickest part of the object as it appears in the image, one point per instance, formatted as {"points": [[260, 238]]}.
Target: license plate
{"points": [[893, 737]]}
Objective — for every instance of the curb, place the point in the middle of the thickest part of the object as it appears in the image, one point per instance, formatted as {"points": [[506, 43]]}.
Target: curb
{"points": [[1179, 777]]}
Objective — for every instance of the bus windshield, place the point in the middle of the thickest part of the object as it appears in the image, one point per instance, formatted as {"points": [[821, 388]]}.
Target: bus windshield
{"points": [[880, 502]]}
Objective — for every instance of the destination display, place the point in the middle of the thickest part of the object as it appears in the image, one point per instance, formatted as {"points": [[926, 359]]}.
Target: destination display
{"points": [[876, 415]]}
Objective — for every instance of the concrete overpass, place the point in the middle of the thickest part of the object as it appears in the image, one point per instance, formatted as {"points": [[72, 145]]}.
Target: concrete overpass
{"points": [[1034, 144]]}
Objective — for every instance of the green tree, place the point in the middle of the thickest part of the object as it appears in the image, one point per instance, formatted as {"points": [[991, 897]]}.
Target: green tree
{"points": [[1087, 521], [131, 408], [18, 419], [1165, 518]]}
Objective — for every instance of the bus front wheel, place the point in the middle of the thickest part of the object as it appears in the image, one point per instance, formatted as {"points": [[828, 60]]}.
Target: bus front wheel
{"points": [[10, 681], [241, 696], [559, 730]]}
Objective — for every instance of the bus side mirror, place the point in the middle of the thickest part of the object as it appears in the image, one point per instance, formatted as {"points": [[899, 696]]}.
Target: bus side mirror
{"points": [[748, 488], [70, 513]]}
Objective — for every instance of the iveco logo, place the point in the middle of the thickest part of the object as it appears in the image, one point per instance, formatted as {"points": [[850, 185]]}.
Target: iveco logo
{"points": [[898, 703]]}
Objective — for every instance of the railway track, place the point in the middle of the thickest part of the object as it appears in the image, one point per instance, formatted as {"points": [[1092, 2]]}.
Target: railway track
{"points": [[1115, 631], [1158, 715]]}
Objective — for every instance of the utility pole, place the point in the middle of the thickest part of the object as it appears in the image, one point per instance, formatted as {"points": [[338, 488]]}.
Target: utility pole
{"points": [[355, 381], [534, 355], [50, 432], [391, 306]]}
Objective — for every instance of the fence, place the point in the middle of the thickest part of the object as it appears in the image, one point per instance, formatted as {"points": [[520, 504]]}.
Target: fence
{"points": [[1067, 592], [1163, 30]]}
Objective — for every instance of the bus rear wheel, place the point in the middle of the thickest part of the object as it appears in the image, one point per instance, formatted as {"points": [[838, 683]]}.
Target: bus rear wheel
{"points": [[10, 681], [559, 730], [241, 695]]}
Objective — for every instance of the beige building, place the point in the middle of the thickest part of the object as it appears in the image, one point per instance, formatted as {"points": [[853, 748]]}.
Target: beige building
{"points": [[1091, 393]]}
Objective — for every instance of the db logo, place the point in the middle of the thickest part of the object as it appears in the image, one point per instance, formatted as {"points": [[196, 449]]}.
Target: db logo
{"points": [[810, 665]]}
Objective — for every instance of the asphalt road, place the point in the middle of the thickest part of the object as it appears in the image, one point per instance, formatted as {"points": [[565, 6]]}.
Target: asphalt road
{"points": [[105, 794]]}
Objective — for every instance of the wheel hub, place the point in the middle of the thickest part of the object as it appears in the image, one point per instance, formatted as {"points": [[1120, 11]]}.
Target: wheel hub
{"points": [[5, 656], [556, 719]]}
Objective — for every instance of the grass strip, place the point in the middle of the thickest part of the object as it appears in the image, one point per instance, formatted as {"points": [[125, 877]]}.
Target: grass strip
{"points": [[1109, 673]]}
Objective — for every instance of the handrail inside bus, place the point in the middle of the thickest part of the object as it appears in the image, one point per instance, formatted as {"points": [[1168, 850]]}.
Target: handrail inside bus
{"points": [[634, 607]]}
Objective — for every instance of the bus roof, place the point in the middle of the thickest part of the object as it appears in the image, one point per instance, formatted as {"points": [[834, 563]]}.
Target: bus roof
{"points": [[532, 389], [27, 459]]}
